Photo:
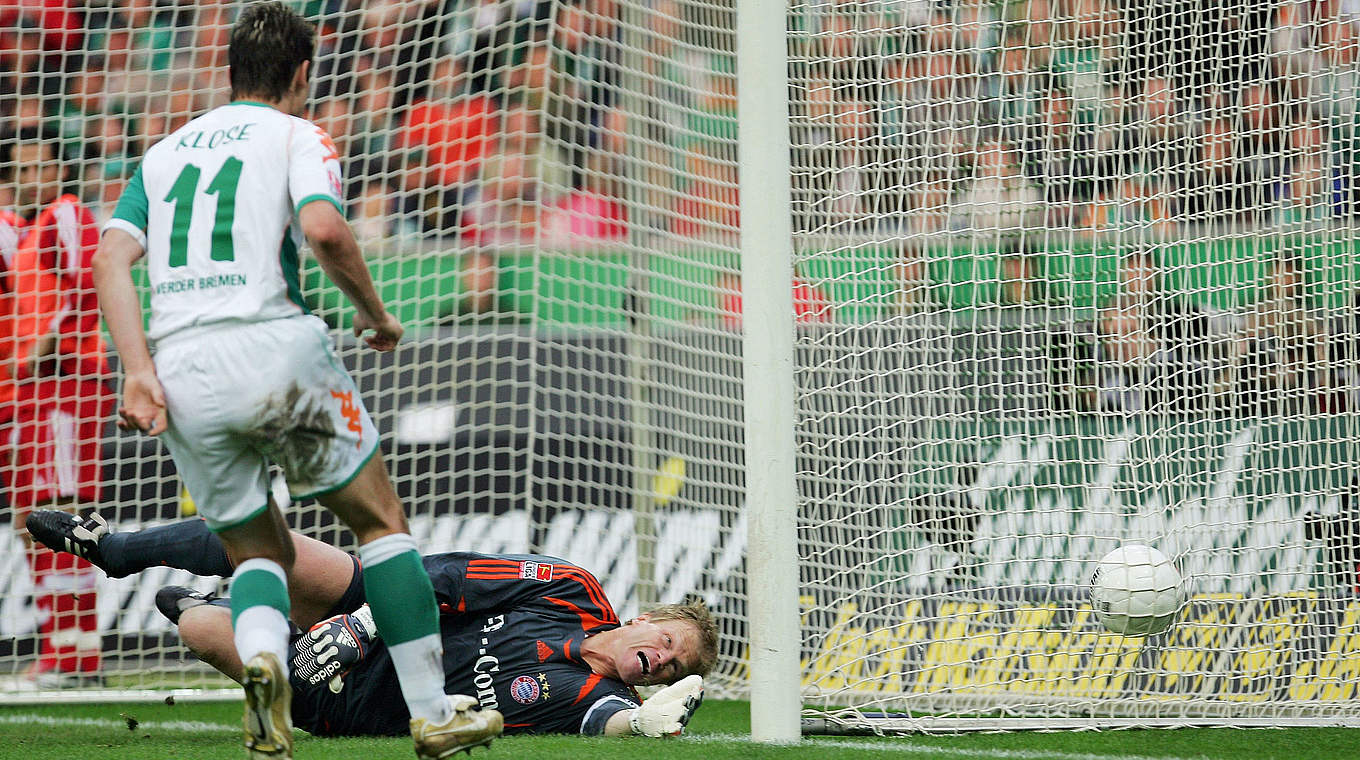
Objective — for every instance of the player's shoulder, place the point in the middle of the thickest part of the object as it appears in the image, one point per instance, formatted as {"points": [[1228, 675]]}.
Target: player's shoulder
{"points": [[538, 569], [581, 684], [300, 127], [225, 124], [489, 558], [11, 231], [300, 122], [534, 567]]}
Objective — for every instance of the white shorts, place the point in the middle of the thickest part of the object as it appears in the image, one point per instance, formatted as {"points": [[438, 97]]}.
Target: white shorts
{"points": [[245, 394]]}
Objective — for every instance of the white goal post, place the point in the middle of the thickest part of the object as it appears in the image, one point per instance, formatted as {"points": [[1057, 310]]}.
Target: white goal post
{"points": [[873, 323], [768, 368]]}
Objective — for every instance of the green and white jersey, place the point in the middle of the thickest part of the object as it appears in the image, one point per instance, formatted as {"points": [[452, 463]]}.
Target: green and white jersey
{"points": [[215, 206]]}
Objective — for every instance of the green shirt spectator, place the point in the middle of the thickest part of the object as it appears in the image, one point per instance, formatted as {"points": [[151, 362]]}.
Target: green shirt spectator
{"points": [[146, 32]]}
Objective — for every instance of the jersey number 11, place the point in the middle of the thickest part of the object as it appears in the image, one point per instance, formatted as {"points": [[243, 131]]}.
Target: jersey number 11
{"points": [[182, 195]]}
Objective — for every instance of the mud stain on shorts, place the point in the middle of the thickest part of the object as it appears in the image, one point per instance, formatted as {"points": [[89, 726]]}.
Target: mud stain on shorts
{"points": [[296, 430]]}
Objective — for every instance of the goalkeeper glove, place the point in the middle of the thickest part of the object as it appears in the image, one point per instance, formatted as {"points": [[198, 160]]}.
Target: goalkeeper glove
{"points": [[669, 710], [331, 649]]}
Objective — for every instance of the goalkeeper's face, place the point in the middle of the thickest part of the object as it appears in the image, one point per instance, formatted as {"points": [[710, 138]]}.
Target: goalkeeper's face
{"points": [[647, 652]]}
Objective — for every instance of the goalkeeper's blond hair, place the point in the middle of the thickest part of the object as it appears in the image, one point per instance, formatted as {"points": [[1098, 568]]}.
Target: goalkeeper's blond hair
{"points": [[695, 613]]}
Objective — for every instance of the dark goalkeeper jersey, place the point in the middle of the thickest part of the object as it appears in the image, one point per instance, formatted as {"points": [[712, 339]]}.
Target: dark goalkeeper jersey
{"points": [[512, 626]]}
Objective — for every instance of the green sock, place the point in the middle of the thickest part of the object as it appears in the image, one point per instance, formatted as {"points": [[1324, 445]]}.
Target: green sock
{"points": [[258, 583], [259, 610], [402, 599]]}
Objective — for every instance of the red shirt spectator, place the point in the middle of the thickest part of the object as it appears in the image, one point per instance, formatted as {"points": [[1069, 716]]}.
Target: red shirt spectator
{"points": [[708, 209], [55, 307], [12, 229], [54, 353], [62, 25], [62, 399], [810, 304], [452, 138], [584, 216]]}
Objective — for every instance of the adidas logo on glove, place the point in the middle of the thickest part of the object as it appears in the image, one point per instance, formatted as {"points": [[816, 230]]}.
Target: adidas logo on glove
{"points": [[332, 648]]}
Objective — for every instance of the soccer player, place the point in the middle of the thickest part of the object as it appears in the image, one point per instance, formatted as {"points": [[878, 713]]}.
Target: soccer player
{"points": [[55, 387], [531, 636], [243, 375]]}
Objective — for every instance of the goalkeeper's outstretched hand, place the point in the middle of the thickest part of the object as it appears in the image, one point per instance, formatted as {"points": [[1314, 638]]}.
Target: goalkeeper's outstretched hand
{"points": [[332, 648], [669, 710]]}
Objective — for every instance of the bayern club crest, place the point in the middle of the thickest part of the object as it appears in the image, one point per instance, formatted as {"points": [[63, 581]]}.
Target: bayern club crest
{"points": [[524, 690]]}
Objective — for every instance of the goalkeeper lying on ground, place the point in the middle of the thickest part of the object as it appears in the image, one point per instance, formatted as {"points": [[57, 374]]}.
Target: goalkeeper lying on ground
{"points": [[533, 637]]}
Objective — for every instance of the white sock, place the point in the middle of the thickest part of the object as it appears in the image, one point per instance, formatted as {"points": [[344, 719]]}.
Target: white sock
{"points": [[379, 550], [262, 629], [420, 670]]}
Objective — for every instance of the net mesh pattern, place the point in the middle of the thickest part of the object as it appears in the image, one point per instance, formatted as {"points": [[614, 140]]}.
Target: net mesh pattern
{"points": [[1069, 274], [1073, 275]]}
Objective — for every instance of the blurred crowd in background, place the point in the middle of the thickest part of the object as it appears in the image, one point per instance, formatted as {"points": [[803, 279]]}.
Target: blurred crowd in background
{"points": [[498, 124], [501, 122], [1090, 114], [480, 120]]}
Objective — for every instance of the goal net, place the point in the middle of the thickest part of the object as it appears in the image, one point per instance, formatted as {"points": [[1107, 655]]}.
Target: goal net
{"points": [[1069, 274], [1092, 267], [545, 192]]}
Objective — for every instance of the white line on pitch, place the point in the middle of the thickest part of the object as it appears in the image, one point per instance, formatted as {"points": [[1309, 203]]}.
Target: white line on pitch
{"points": [[907, 748], [34, 719]]}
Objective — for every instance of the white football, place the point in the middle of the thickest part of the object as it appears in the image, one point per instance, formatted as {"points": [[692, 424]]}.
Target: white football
{"points": [[1136, 591]]}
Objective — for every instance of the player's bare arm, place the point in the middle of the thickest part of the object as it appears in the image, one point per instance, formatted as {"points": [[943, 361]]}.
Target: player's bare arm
{"points": [[143, 406], [338, 253]]}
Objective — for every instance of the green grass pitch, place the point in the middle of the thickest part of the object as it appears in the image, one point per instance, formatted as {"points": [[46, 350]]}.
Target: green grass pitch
{"points": [[209, 731]]}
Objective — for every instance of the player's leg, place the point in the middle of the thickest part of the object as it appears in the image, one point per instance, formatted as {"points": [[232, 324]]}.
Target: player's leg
{"points": [[184, 545], [205, 402], [354, 485], [318, 586], [336, 459], [205, 628], [322, 706], [206, 398], [259, 587], [206, 631], [396, 585], [259, 619], [402, 601]]}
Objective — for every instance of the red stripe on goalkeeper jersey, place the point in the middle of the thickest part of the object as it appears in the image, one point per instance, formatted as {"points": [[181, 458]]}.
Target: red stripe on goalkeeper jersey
{"points": [[589, 622], [493, 564], [593, 590], [505, 569], [586, 688]]}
